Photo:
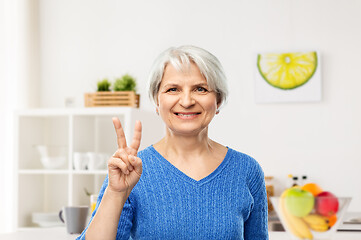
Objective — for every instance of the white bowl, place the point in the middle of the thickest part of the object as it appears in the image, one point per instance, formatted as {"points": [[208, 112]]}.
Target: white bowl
{"points": [[46, 219], [52, 157], [53, 162]]}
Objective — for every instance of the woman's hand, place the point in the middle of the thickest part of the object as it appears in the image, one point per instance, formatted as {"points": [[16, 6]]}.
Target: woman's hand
{"points": [[124, 167], [124, 170]]}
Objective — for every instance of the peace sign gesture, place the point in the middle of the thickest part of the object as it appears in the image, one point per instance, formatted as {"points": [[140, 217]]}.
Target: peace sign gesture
{"points": [[124, 167]]}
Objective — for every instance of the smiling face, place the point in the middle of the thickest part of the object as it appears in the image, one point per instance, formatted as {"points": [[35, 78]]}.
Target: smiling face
{"points": [[185, 102]]}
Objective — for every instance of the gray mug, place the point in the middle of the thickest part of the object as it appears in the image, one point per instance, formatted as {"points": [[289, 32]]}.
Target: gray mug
{"points": [[74, 218]]}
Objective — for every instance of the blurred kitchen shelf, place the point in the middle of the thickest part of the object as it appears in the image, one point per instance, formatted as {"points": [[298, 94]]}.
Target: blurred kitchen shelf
{"points": [[39, 189], [42, 171], [352, 222], [95, 172], [59, 171]]}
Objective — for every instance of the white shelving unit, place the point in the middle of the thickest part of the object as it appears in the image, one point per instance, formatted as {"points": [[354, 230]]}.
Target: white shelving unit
{"points": [[75, 130]]}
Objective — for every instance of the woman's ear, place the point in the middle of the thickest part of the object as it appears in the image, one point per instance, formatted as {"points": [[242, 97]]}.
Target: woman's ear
{"points": [[219, 103], [157, 103], [157, 106]]}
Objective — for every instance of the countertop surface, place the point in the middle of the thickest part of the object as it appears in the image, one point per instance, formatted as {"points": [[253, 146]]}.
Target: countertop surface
{"points": [[59, 233]]}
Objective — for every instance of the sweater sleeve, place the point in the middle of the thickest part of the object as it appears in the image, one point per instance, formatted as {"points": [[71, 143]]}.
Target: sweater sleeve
{"points": [[256, 226], [125, 221]]}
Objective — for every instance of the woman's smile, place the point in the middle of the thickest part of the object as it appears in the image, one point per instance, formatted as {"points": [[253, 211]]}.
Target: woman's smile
{"points": [[187, 115]]}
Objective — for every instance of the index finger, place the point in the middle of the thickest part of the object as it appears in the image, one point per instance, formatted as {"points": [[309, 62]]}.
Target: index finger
{"points": [[122, 142]]}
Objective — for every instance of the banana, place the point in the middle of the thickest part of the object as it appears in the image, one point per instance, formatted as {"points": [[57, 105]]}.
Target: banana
{"points": [[296, 225], [317, 223]]}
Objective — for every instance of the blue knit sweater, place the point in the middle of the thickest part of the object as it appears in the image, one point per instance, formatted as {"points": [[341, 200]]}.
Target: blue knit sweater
{"points": [[230, 203]]}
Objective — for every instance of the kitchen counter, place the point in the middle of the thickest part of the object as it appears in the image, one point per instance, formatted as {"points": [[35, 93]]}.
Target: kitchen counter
{"points": [[338, 236], [59, 233], [54, 233]]}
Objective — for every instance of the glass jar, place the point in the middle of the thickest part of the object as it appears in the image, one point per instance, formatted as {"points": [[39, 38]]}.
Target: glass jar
{"points": [[270, 192]]}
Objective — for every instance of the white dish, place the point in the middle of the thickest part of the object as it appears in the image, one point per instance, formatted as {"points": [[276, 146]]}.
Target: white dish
{"points": [[52, 157], [53, 162], [46, 219]]}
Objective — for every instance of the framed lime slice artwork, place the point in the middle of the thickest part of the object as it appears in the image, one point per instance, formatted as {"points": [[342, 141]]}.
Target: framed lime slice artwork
{"points": [[288, 76], [287, 70]]}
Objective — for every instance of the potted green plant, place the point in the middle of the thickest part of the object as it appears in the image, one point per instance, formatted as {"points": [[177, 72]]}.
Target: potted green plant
{"points": [[104, 85], [125, 83], [123, 93]]}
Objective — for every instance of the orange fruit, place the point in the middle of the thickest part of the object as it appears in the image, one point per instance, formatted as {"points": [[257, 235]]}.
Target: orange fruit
{"points": [[332, 220], [312, 188]]}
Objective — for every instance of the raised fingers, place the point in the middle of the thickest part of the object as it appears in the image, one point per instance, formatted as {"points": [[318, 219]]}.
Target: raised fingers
{"points": [[122, 142], [137, 136]]}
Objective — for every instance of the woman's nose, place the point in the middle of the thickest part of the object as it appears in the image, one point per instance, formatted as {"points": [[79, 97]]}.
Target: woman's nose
{"points": [[186, 100]]}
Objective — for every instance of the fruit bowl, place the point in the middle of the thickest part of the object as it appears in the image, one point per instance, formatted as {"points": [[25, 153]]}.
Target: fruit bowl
{"points": [[310, 217]]}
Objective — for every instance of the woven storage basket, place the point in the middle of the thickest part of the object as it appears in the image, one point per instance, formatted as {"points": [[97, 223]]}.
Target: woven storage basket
{"points": [[111, 99]]}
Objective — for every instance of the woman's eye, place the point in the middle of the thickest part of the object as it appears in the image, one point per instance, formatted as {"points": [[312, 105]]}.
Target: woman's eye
{"points": [[171, 90], [201, 89]]}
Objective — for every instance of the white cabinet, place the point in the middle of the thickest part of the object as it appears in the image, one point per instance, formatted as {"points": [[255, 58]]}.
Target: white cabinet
{"points": [[65, 131]]}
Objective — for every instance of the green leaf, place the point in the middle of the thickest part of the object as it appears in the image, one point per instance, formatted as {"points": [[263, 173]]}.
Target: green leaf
{"points": [[104, 85], [125, 83]]}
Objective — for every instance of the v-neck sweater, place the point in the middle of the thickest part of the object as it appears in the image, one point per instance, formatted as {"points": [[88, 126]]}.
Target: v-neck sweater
{"points": [[229, 203]]}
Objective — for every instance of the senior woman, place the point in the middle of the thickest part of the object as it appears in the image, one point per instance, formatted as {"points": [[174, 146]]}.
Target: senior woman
{"points": [[186, 186]]}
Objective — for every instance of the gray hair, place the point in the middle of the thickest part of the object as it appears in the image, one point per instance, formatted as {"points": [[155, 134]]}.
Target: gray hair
{"points": [[181, 58]]}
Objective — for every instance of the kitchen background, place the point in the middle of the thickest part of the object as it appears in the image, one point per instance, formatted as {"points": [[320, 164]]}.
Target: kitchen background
{"points": [[56, 50]]}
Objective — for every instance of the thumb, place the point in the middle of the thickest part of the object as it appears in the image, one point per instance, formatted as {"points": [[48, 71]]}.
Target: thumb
{"points": [[136, 163]]}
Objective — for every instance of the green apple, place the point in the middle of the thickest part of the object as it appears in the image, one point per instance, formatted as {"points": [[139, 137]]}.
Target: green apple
{"points": [[299, 202]]}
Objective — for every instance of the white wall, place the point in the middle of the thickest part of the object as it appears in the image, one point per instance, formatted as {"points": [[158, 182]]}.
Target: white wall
{"points": [[19, 81], [85, 40]]}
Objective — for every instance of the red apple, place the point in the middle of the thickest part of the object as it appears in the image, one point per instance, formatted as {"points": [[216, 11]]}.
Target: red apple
{"points": [[326, 204]]}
